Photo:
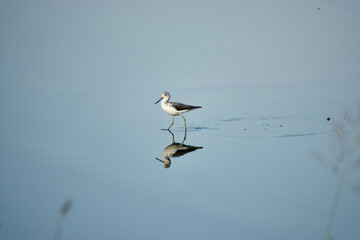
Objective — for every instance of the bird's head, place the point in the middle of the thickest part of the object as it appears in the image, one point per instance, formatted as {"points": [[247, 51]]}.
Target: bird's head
{"points": [[165, 96]]}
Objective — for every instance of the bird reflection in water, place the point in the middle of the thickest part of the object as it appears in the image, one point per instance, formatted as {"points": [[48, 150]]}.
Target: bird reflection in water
{"points": [[175, 150]]}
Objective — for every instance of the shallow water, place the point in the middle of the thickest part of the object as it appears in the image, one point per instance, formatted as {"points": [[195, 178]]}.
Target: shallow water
{"points": [[83, 147], [252, 175]]}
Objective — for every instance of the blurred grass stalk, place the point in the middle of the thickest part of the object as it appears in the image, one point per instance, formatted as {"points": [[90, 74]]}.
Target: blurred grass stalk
{"points": [[64, 210], [348, 136]]}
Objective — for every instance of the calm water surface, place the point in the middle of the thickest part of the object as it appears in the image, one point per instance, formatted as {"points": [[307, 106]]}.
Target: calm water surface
{"points": [[252, 174], [83, 147]]}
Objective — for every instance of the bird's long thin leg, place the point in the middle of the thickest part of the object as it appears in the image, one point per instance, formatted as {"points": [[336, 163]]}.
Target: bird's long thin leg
{"points": [[173, 136], [184, 138], [184, 120], [171, 123]]}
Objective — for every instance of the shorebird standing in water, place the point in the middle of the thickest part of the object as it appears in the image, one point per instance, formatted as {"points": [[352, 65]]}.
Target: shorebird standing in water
{"points": [[174, 108]]}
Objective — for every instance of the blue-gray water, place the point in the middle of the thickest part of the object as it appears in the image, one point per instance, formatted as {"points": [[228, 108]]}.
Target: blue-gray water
{"points": [[79, 124]]}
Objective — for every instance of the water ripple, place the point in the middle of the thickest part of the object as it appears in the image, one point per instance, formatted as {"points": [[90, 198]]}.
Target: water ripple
{"points": [[265, 127]]}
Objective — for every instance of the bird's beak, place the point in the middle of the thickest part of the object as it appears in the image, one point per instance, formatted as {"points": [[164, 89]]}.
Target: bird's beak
{"points": [[159, 160], [159, 100]]}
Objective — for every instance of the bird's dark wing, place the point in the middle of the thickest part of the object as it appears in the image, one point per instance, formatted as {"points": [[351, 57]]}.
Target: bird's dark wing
{"points": [[181, 106], [185, 150]]}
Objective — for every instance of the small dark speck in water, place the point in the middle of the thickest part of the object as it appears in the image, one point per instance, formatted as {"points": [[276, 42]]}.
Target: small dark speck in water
{"points": [[328, 118], [245, 129], [319, 9], [281, 125]]}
